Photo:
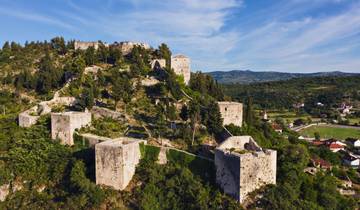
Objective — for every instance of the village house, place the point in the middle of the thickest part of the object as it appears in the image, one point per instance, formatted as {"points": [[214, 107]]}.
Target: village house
{"points": [[353, 142], [277, 127], [334, 145], [320, 164], [351, 160]]}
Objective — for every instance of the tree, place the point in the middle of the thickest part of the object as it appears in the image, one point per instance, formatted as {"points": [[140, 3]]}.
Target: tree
{"points": [[214, 121], [58, 44], [90, 56], [317, 135], [165, 53], [249, 112], [184, 115], [194, 113]]}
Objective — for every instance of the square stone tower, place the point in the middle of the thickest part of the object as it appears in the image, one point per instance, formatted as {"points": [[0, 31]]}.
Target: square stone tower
{"points": [[181, 66], [242, 166], [231, 112], [64, 124], [116, 161]]}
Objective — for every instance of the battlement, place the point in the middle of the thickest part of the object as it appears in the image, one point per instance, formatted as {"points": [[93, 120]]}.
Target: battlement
{"points": [[242, 166]]}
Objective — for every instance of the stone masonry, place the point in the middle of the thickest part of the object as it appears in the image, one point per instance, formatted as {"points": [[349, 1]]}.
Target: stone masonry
{"points": [[127, 46], [116, 161], [231, 112], [79, 45], [158, 64], [242, 166], [64, 124], [181, 66]]}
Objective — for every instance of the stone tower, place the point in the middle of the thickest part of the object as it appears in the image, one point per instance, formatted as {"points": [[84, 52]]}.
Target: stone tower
{"points": [[64, 124], [242, 166], [231, 112], [181, 66], [116, 160]]}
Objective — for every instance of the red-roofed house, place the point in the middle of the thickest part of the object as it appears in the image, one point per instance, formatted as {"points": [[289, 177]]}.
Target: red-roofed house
{"points": [[320, 163], [334, 145]]}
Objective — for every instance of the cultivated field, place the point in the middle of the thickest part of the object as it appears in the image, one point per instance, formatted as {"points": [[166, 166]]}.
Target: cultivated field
{"points": [[327, 132]]}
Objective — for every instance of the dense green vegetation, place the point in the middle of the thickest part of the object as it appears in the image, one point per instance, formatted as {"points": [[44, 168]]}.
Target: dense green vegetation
{"points": [[331, 91], [54, 176]]}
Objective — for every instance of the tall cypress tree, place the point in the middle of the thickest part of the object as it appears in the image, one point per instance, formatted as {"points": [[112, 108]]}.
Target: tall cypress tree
{"points": [[249, 112]]}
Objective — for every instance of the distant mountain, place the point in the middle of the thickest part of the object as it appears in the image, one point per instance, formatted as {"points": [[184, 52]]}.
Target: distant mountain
{"points": [[247, 76]]}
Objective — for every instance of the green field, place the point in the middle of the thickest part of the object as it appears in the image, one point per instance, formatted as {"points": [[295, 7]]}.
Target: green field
{"points": [[289, 116], [330, 132]]}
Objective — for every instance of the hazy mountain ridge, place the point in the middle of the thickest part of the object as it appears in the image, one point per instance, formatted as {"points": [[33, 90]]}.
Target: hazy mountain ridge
{"points": [[247, 76]]}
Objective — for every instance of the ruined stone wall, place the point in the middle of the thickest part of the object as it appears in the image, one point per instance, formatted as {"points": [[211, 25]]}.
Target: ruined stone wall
{"points": [[116, 162], [100, 112], [28, 117], [256, 170], [31, 116], [158, 63], [181, 66], [126, 47], [94, 139], [85, 45], [64, 124], [238, 174], [231, 112]]}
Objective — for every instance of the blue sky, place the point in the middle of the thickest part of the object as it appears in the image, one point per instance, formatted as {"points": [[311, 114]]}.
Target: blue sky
{"points": [[260, 35]]}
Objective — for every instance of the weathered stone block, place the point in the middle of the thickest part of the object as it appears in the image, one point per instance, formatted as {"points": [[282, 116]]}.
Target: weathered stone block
{"points": [[116, 161], [242, 166], [181, 66], [64, 124], [231, 112]]}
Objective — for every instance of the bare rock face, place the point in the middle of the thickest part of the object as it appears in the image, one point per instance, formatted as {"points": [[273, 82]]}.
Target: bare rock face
{"points": [[116, 161], [4, 191], [64, 124], [242, 166], [231, 112], [181, 66]]}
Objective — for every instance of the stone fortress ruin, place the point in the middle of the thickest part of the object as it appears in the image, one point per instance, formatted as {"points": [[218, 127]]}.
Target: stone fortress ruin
{"points": [[231, 112], [31, 116], [116, 160], [242, 166], [127, 46], [181, 66], [79, 45], [63, 125]]}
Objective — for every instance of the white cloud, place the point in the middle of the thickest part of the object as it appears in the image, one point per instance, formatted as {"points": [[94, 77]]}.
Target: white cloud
{"points": [[31, 16]]}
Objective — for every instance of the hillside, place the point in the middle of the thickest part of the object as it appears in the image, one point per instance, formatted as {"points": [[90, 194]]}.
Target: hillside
{"points": [[139, 95], [247, 76]]}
